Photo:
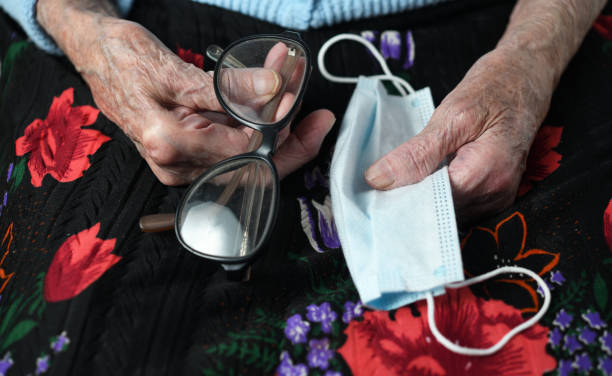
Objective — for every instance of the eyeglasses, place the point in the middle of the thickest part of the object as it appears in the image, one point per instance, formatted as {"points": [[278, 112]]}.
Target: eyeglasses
{"points": [[228, 213]]}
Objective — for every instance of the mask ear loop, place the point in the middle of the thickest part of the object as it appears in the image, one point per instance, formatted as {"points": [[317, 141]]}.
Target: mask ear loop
{"points": [[519, 328], [399, 83]]}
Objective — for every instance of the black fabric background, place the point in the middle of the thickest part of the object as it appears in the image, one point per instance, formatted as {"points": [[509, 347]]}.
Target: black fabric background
{"points": [[157, 310]]}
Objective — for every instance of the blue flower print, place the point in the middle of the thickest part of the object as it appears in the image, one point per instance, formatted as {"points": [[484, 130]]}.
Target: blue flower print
{"points": [[587, 336], [391, 44], [319, 353], [606, 342], [42, 364], [563, 319], [571, 343], [410, 48], [555, 337], [583, 363], [557, 277], [605, 366], [10, 172], [5, 363], [351, 311], [286, 367], [593, 319], [59, 343], [565, 367], [332, 373], [297, 329], [322, 314]]}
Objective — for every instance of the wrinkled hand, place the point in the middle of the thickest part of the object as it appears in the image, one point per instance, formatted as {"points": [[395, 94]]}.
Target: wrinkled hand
{"points": [[486, 125], [168, 107]]}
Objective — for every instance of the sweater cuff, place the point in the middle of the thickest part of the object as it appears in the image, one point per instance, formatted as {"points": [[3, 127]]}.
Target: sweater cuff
{"points": [[24, 12]]}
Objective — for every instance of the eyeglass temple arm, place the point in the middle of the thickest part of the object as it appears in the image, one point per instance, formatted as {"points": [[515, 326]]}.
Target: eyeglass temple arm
{"points": [[214, 52]]}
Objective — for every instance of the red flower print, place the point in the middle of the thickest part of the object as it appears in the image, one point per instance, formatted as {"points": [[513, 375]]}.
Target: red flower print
{"points": [[542, 160], [505, 246], [608, 225], [191, 57], [378, 345], [603, 25], [78, 263], [58, 145]]}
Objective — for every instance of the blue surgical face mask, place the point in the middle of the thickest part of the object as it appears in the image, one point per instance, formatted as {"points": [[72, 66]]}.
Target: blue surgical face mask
{"points": [[400, 245]]}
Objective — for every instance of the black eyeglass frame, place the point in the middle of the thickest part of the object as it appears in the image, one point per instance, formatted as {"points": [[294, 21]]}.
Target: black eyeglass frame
{"points": [[262, 154]]}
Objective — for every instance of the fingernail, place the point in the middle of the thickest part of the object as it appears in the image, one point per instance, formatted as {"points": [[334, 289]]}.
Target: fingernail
{"points": [[331, 124], [265, 81], [379, 175]]}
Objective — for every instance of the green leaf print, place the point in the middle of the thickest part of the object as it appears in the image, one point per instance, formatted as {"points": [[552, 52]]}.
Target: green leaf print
{"points": [[19, 331], [601, 292]]}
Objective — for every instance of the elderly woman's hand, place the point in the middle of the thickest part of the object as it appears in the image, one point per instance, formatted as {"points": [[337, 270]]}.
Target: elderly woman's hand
{"points": [[486, 125], [166, 106]]}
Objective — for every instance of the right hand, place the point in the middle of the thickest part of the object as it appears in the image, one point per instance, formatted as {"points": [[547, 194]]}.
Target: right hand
{"points": [[166, 106]]}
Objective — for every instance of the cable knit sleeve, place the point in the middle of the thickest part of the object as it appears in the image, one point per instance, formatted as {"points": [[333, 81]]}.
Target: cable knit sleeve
{"points": [[24, 12]]}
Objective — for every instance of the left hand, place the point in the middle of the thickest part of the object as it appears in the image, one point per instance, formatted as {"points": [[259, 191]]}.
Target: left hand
{"points": [[486, 125]]}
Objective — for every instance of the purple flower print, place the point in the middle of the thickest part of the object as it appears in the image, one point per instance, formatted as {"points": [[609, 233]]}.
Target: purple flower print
{"points": [[308, 224], [60, 343], [557, 277], [351, 310], [5, 363], [571, 343], [332, 373], [555, 337], [593, 319], [42, 364], [565, 367], [5, 198], [391, 44], [286, 367], [297, 329], [583, 362], [541, 292], [605, 366], [410, 51], [322, 314], [10, 172], [563, 319], [587, 336], [326, 225], [606, 342], [319, 353], [369, 35]]}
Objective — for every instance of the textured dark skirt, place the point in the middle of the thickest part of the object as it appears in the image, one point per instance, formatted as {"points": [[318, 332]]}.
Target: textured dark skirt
{"points": [[84, 292]]}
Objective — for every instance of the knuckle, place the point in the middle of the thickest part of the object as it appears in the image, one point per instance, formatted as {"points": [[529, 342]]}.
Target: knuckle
{"points": [[158, 150]]}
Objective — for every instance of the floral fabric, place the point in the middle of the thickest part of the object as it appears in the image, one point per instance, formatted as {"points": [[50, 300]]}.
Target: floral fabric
{"points": [[83, 291]]}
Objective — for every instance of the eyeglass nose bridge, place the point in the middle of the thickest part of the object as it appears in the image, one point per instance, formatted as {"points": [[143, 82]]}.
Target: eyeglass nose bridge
{"points": [[267, 147]]}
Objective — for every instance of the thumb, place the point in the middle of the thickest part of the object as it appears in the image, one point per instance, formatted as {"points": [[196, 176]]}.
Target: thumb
{"points": [[415, 159], [304, 142], [252, 87]]}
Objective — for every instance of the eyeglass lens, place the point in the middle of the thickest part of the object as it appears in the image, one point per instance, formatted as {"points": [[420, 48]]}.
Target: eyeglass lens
{"points": [[227, 217], [260, 78]]}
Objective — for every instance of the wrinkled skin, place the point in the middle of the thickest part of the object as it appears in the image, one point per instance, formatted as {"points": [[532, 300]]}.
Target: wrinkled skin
{"points": [[166, 106], [486, 125], [488, 122]]}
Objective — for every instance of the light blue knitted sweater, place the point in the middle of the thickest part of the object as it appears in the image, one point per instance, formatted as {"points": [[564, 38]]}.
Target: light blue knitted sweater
{"points": [[292, 14]]}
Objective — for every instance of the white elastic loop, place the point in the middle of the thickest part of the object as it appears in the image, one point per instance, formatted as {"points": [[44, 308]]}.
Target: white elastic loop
{"points": [[519, 328], [398, 82]]}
